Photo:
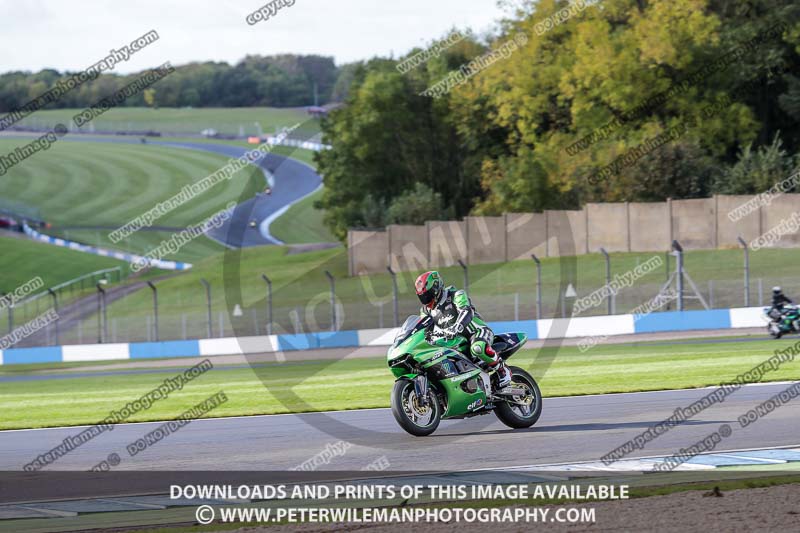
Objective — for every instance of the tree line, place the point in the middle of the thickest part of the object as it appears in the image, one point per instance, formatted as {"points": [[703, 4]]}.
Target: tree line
{"points": [[614, 100], [275, 81]]}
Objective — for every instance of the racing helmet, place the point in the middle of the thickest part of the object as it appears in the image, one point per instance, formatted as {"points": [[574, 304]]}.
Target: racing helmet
{"points": [[429, 288]]}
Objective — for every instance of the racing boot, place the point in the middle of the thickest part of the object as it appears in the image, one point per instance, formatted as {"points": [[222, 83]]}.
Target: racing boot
{"points": [[503, 373]]}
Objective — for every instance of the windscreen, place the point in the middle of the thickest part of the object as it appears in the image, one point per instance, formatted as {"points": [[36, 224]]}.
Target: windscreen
{"points": [[406, 329]]}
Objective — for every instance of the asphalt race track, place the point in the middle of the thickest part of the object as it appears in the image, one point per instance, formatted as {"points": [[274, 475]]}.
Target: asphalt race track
{"points": [[292, 181], [572, 429]]}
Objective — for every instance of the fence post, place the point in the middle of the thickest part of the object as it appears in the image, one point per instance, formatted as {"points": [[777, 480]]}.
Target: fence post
{"points": [[608, 280], [538, 286], [678, 249], [155, 307], [395, 296], [9, 311], [102, 321], [269, 303], [208, 304], [333, 299], [666, 271], [466, 274], [746, 271], [711, 293], [55, 307]]}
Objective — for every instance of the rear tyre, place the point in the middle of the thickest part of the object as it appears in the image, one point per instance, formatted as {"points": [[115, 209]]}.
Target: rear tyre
{"points": [[416, 419], [527, 408]]}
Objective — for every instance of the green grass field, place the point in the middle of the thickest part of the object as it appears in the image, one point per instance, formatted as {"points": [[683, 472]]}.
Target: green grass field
{"points": [[105, 185], [314, 386], [76, 186], [229, 121], [22, 259], [301, 223], [306, 156], [73, 185]]}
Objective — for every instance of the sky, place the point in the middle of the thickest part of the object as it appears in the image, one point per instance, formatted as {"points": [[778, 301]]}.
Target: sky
{"points": [[73, 34]]}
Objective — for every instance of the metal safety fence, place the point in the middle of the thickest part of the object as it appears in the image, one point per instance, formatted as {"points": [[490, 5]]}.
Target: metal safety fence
{"points": [[319, 300]]}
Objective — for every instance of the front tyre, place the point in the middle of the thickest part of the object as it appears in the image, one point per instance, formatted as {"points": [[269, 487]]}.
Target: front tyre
{"points": [[775, 330], [415, 418], [524, 410]]}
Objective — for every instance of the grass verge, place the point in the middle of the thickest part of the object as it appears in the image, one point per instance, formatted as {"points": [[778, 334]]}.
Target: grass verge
{"points": [[22, 259], [319, 386], [302, 223]]}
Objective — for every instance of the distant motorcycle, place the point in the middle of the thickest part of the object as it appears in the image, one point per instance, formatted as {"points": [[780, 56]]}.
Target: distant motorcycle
{"points": [[782, 322]]}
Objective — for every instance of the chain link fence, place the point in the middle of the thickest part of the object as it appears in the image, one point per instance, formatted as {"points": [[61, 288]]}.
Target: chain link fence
{"points": [[91, 313]]}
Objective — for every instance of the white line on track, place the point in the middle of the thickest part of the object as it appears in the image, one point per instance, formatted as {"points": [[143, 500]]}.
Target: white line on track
{"points": [[263, 228]]}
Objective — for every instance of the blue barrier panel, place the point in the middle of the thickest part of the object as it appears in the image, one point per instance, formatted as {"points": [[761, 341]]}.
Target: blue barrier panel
{"points": [[151, 350], [528, 327], [21, 356], [682, 321], [338, 339], [307, 341]]}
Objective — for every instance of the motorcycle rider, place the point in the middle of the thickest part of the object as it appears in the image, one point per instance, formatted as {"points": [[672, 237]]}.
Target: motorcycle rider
{"points": [[778, 299], [453, 314]]}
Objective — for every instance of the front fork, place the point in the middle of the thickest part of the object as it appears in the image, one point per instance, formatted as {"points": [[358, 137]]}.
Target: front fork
{"points": [[421, 389]]}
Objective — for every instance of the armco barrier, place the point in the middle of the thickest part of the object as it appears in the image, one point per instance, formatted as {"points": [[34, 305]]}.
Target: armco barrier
{"points": [[749, 317]]}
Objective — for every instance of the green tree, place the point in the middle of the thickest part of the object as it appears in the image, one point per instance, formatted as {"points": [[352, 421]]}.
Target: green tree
{"points": [[757, 170], [417, 205], [387, 138], [150, 97]]}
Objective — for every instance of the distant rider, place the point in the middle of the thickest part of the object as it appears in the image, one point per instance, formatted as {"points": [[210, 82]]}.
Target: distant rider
{"points": [[778, 299], [453, 314]]}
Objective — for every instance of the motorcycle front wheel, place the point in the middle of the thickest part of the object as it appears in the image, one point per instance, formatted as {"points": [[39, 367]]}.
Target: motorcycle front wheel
{"points": [[524, 410], [414, 417]]}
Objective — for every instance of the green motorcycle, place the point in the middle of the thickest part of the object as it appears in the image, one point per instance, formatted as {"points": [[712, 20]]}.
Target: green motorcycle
{"points": [[436, 381]]}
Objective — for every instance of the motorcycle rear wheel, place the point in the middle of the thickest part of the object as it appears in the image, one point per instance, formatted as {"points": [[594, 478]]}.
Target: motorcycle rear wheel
{"points": [[518, 416], [416, 419]]}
